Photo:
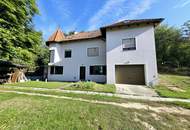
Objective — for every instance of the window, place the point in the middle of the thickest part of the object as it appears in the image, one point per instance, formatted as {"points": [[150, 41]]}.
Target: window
{"points": [[56, 70], [67, 53], [97, 70], [93, 51], [52, 70], [52, 54], [129, 44]]}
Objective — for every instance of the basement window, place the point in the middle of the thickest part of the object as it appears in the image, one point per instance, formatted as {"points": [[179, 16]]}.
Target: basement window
{"points": [[56, 70], [129, 44]]}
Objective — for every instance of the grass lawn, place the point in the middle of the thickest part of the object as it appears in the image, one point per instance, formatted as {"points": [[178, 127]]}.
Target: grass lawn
{"points": [[173, 86], [39, 84], [34, 112], [95, 97], [84, 86]]}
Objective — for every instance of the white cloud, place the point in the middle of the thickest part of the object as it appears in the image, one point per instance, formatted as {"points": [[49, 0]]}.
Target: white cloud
{"points": [[111, 7], [138, 9], [114, 10], [85, 11], [61, 8], [182, 3]]}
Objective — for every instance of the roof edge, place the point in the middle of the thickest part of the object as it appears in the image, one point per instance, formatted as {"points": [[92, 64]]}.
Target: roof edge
{"points": [[154, 21], [133, 22]]}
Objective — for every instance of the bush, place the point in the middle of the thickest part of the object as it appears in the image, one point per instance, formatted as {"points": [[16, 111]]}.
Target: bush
{"points": [[184, 71], [84, 85]]}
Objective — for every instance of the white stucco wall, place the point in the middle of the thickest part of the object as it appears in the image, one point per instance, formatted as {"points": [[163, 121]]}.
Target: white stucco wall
{"points": [[144, 54], [71, 66]]}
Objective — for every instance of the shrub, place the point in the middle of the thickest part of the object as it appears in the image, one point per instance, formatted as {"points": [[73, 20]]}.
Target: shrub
{"points": [[84, 85], [179, 71]]}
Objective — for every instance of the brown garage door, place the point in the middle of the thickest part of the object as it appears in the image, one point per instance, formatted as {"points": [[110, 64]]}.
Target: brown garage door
{"points": [[130, 74]]}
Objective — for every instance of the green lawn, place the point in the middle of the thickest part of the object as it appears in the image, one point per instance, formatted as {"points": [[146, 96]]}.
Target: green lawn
{"points": [[34, 112], [84, 86], [173, 86], [39, 84]]}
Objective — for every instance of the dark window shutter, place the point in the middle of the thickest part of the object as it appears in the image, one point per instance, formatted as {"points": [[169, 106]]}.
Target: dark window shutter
{"points": [[52, 69], [104, 70]]}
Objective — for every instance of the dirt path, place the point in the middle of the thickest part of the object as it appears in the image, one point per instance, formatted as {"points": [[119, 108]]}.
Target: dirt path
{"points": [[147, 98], [177, 110]]}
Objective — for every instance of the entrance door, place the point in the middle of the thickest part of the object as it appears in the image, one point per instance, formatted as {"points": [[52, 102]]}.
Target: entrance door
{"points": [[82, 73]]}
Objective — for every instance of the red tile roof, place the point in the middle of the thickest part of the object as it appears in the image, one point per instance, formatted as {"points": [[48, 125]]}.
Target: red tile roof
{"points": [[59, 36], [83, 35]]}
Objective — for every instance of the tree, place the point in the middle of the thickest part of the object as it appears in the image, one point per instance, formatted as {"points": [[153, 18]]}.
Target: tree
{"points": [[18, 39], [165, 37], [172, 50], [70, 33]]}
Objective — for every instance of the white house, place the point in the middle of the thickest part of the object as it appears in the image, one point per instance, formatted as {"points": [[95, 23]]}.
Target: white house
{"points": [[122, 53]]}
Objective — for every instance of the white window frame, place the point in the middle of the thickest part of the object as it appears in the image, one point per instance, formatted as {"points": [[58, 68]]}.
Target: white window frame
{"points": [[52, 60], [93, 55], [129, 48]]}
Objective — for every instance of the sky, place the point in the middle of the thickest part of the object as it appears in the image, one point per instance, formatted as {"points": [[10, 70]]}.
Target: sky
{"points": [[87, 15]]}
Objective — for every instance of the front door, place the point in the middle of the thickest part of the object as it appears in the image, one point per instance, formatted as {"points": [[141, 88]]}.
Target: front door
{"points": [[82, 73]]}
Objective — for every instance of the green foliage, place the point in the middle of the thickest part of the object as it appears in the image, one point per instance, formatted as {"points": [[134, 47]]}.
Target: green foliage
{"points": [[42, 56], [24, 55], [19, 42], [42, 113], [172, 50], [83, 86], [70, 33]]}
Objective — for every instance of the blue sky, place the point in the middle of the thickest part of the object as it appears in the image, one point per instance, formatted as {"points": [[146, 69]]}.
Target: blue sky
{"points": [[85, 15]]}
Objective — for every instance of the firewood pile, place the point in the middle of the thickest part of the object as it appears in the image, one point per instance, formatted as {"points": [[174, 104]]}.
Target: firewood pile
{"points": [[17, 76], [11, 73]]}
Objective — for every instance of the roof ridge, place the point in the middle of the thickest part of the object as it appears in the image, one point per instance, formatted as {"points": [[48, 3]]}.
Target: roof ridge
{"points": [[55, 35]]}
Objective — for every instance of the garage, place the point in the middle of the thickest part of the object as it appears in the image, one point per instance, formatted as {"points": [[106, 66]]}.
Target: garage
{"points": [[130, 74]]}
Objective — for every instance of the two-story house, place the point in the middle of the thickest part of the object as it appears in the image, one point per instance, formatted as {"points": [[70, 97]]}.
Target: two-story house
{"points": [[122, 53]]}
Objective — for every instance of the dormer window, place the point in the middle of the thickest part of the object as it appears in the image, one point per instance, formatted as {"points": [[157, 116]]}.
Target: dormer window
{"points": [[129, 44], [52, 55]]}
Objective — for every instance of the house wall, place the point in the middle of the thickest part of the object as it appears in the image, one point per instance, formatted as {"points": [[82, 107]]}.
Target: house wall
{"points": [[145, 52], [71, 66]]}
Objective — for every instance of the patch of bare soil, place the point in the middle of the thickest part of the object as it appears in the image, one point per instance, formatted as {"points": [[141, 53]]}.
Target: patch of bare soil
{"points": [[156, 116], [175, 88], [171, 86], [145, 124], [163, 109], [184, 120], [164, 82]]}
